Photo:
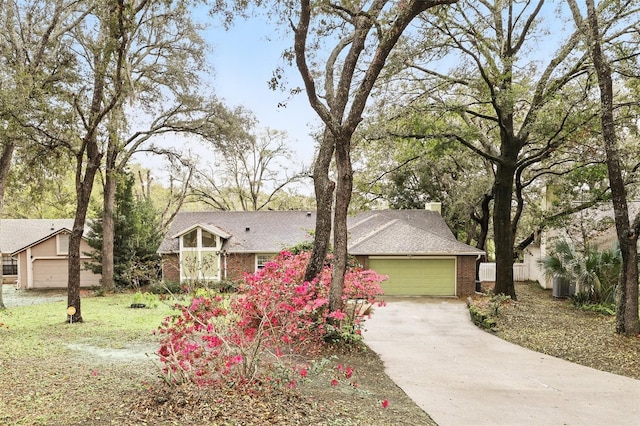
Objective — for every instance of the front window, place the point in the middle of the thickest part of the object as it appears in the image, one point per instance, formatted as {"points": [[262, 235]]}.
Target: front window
{"points": [[199, 257], [190, 239], [63, 243], [262, 259], [9, 265], [208, 239], [199, 238]]}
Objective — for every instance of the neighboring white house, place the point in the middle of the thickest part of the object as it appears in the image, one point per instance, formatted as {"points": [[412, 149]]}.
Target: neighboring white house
{"points": [[595, 225]]}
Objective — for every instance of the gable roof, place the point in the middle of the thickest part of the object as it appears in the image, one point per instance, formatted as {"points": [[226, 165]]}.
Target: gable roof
{"points": [[18, 234], [381, 232], [405, 232], [209, 228], [249, 232]]}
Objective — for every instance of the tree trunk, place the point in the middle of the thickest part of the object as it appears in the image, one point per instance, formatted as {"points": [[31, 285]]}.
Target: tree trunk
{"points": [[340, 124], [340, 235], [108, 225], [502, 230], [627, 291], [84, 186], [5, 166], [483, 221], [324, 188]]}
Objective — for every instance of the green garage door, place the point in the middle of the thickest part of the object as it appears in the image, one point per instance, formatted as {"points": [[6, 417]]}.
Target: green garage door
{"points": [[417, 277]]}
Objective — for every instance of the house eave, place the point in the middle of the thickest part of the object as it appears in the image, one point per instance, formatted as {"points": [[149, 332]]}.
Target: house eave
{"points": [[209, 228], [410, 254], [35, 243]]}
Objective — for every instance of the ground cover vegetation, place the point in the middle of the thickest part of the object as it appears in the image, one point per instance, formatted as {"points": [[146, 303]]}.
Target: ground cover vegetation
{"points": [[101, 366]]}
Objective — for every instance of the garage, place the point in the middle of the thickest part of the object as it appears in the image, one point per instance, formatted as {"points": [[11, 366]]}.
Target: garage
{"points": [[53, 273], [48, 273], [416, 276]]}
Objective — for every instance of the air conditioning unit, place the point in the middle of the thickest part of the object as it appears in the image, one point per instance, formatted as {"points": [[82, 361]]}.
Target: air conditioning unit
{"points": [[562, 287]]}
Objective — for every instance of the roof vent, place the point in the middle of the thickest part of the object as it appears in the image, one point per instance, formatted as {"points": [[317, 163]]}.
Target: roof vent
{"points": [[308, 214], [247, 229]]}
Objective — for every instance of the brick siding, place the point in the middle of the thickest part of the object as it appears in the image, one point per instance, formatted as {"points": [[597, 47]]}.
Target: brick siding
{"points": [[171, 267], [466, 273], [239, 263]]}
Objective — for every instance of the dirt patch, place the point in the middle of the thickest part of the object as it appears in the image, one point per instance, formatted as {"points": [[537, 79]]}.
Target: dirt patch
{"points": [[140, 352], [314, 402]]}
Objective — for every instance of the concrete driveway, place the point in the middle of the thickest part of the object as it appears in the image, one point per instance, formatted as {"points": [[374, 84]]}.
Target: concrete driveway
{"points": [[12, 297], [461, 375]]}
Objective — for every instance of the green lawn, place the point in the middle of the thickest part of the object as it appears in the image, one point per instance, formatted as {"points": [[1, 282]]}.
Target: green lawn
{"points": [[53, 371], [97, 373]]}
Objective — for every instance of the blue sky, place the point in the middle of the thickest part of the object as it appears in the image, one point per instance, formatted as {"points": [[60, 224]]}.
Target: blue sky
{"points": [[244, 58]]}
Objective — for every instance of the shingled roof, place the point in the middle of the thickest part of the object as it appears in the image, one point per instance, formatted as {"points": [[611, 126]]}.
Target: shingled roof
{"points": [[382, 232], [405, 232], [17, 234], [251, 232]]}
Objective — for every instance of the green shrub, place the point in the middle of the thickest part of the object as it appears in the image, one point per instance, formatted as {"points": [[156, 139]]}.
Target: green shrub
{"points": [[485, 312], [595, 272], [166, 287], [600, 308], [144, 300], [581, 299], [223, 286]]}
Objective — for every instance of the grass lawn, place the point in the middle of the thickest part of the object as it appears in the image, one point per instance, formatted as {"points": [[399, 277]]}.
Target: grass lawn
{"points": [[104, 371]]}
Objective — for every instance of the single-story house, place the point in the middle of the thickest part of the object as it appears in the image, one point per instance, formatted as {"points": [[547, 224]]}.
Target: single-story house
{"points": [[415, 248], [35, 253]]}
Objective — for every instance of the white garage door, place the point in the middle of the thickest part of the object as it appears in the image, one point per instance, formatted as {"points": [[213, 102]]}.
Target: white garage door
{"points": [[53, 273]]}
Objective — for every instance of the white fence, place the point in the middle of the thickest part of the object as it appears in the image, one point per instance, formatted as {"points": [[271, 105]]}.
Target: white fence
{"points": [[488, 272]]}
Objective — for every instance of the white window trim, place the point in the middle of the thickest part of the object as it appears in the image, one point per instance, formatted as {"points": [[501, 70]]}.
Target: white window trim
{"points": [[199, 246], [200, 250], [270, 256]]}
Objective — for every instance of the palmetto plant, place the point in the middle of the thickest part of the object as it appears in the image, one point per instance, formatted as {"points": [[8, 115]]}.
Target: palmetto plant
{"points": [[595, 272]]}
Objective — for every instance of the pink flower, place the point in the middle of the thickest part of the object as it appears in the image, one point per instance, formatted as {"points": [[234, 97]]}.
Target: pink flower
{"points": [[94, 373], [337, 315], [385, 403], [334, 382], [348, 372], [303, 372]]}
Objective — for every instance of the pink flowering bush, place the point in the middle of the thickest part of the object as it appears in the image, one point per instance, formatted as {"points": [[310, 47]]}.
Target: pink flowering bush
{"points": [[260, 335]]}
